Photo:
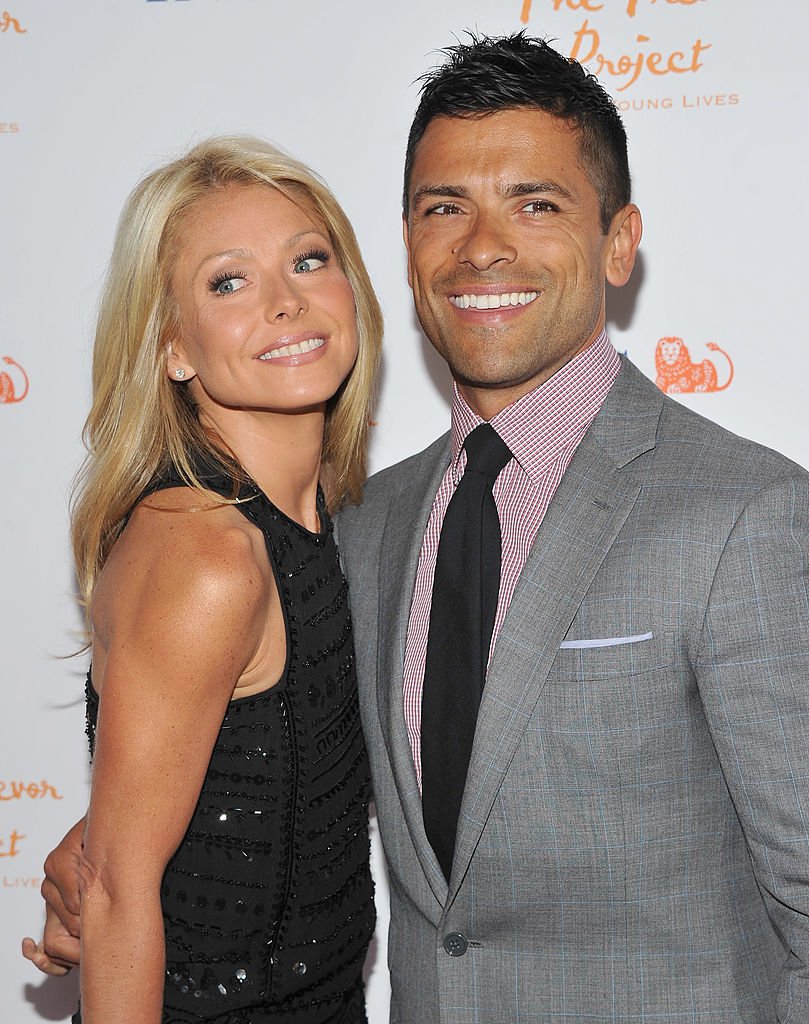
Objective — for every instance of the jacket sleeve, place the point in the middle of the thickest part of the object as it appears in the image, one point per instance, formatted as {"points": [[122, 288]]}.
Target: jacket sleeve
{"points": [[753, 675]]}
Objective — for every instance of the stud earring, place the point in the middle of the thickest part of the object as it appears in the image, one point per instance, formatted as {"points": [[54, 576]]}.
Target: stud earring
{"points": [[179, 373]]}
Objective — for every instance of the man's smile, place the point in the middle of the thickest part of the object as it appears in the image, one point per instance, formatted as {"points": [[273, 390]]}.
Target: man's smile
{"points": [[472, 300]]}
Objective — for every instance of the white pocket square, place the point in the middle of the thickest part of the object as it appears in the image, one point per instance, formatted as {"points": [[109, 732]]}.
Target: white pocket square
{"points": [[607, 641]]}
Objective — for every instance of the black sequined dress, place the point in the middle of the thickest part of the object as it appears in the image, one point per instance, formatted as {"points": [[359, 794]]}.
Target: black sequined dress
{"points": [[268, 901]]}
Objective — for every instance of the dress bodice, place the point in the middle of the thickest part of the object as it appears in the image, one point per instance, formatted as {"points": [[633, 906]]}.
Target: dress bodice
{"points": [[268, 900]]}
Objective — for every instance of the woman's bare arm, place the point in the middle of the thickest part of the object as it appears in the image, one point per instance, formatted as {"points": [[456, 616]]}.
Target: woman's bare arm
{"points": [[180, 609]]}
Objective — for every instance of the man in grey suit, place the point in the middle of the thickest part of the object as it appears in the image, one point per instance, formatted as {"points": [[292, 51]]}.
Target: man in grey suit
{"points": [[630, 839], [633, 837]]}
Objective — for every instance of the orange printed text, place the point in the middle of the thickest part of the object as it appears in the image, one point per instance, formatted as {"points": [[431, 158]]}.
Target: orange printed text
{"points": [[577, 5], [594, 6], [7, 22], [628, 67], [21, 883], [16, 789], [10, 845]]}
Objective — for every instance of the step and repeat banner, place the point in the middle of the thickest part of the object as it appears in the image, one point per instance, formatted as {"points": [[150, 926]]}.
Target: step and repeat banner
{"points": [[93, 94]]}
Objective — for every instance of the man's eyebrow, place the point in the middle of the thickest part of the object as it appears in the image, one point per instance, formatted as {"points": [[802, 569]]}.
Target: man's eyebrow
{"points": [[440, 192], [532, 188], [515, 191]]}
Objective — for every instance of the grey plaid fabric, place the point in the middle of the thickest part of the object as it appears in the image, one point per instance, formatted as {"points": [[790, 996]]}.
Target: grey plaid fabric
{"points": [[633, 844]]}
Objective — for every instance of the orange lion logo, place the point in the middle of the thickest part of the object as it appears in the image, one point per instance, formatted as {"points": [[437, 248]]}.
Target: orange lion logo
{"points": [[677, 375], [8, 389]]}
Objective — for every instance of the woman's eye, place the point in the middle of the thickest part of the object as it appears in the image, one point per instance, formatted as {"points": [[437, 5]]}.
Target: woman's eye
{"points": [[228, 285], [306, 264]]}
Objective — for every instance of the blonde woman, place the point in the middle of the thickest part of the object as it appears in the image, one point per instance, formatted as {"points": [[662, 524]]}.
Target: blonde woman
{"points": [[224, 872]]}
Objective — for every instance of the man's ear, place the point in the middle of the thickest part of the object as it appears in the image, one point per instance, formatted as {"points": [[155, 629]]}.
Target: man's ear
{"points": [[177, 366], [406, 236], [625, 234]]}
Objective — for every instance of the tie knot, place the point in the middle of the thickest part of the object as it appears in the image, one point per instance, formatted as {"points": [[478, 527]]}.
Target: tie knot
{"points": [[486, 451]]}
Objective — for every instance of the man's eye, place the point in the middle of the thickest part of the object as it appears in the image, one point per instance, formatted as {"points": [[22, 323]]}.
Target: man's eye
{"points": [[539, 206], [227, 285], [444, 209]]}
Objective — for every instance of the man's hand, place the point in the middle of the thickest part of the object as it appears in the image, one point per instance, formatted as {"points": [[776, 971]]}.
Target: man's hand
{"points": [[59, 949]]}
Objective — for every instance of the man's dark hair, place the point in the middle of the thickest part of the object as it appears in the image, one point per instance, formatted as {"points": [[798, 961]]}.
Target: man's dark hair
{"points": [[493, 73]]}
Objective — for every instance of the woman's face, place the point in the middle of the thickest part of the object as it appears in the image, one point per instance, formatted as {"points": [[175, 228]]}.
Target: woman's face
{"points": [[267, 318]]}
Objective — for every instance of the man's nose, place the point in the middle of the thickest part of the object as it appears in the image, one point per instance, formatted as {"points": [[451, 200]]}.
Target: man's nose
{"points": [[485, 244]]}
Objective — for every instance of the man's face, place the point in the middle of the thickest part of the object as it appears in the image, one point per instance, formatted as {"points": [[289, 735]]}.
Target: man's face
{"points": [[506, 256]]}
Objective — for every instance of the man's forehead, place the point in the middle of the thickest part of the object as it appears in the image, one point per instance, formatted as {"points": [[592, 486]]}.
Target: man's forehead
{"points": [[520, 128], [513, 151]]}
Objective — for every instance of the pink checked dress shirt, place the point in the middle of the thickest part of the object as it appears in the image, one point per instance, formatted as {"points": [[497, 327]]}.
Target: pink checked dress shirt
{"points": [[542, 429]]}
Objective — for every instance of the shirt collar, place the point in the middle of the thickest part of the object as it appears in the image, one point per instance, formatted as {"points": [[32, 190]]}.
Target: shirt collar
{"points": [[548, 420]]}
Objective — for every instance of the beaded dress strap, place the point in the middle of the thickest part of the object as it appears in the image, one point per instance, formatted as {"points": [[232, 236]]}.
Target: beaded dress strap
{"points": [[212, 475]]}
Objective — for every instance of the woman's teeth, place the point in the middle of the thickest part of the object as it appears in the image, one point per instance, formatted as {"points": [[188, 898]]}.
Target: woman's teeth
{"points": [[295, 349]]}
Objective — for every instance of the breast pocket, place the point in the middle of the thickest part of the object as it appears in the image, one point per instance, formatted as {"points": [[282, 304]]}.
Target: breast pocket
{"points": [[618, 693], [617, 709], [613, 657]]}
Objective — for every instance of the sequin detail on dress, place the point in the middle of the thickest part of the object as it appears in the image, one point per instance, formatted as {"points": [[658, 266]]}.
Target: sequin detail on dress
{"points": [[268, 901]]}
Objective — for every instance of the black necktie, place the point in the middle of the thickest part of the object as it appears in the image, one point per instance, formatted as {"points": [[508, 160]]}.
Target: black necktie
{"points": [[465, 590]]}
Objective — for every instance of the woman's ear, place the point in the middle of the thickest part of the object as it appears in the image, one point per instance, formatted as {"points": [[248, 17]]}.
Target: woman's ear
{"points": [[177, 367]]}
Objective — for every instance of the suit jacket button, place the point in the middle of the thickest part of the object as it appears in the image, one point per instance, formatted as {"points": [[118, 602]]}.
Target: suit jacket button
{"points": [[455, 944]]}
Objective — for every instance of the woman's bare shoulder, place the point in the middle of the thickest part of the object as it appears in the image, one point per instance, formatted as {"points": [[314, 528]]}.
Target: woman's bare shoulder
{"points": [[183, 554]]}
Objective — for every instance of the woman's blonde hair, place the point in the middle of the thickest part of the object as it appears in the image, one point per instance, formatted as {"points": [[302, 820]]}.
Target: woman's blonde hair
{"points": [[140, 421]]}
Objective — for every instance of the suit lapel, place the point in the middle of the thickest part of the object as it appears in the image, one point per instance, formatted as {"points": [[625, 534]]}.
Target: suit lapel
{"points": [[591, 504], [408, 514]]}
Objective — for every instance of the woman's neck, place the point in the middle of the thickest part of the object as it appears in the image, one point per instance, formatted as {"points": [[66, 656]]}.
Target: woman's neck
{"points": [[280, 451]]}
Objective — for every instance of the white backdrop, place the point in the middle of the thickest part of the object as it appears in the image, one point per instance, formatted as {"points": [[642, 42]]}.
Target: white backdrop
{"points": [[94, 93]]}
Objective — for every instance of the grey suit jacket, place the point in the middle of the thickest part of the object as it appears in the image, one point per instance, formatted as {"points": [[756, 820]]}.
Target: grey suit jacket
{"points": [[633, 843]]}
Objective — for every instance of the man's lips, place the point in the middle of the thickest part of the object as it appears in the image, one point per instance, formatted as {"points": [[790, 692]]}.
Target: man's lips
{"points": [[486, 300], [296, 346]]}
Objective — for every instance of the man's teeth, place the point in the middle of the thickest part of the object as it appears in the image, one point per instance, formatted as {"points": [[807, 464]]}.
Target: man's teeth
{"points": [[296, 349], [492, 301]]}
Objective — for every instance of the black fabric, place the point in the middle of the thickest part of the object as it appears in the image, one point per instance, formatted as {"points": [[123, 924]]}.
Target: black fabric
{"points": [[465, 590], [268, 900]]}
